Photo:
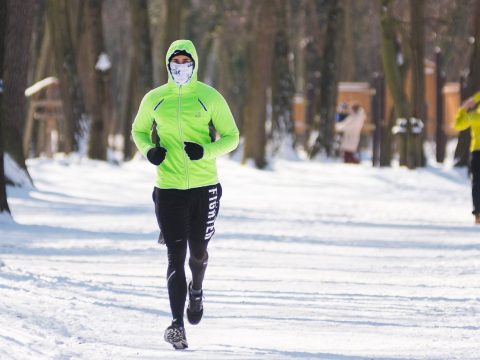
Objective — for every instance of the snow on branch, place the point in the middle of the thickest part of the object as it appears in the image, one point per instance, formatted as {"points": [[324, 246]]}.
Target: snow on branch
{"points": [[103, 63]]}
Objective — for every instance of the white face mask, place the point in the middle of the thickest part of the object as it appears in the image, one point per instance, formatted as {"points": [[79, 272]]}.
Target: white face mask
{"points": [[181, 73]]}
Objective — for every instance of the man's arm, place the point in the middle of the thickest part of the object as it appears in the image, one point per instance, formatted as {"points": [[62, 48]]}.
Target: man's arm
{"points": [[225, 126], [142, 125], [465, 118]]}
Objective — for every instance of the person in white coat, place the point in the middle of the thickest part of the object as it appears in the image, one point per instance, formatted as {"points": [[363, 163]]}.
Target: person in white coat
{"points": [[351, 128]]}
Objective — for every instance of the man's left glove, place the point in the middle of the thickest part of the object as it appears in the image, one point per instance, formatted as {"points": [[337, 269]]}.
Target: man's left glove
{"points": [[193, 150]]}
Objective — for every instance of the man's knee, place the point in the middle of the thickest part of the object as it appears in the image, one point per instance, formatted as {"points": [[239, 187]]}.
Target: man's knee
{"points": [[176, 254], [198, 260]]}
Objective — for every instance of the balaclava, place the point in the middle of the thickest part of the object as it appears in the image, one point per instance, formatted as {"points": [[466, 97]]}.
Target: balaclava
{"points": [[181, 73]]}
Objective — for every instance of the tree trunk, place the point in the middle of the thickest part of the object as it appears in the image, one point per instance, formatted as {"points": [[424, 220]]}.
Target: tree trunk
{"points": [[142, 66], [39, 72], [393, 76], [386, 143], [229, 61], [312, 75], [172, 19], [329, 80], [473, 80], [462, 152], [100, 111], [378, 117], [314, 38], [66, 69], [3, 26], [299, 26], [348, 50], [416, 157], [142, 45], [259, 74], [128, 110], [440, 136], [16, 65], [283, 87]]}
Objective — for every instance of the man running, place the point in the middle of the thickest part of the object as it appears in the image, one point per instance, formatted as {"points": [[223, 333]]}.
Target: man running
{"points": [[188, 115]]}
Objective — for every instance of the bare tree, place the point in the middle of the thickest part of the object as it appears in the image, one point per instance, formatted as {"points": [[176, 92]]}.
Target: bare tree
{"points": [[99, 69], [172, 21], [231, 43], [3, 25], [16, 65], [348, 51], [58, 19], [393, 74], [142, 47], [283, 87], [259, 75], [417, 43], [311, 56], [329, 79], [140, 77]]}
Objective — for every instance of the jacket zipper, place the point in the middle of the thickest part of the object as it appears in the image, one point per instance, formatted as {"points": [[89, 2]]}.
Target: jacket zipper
{"points": [[180, 132]]}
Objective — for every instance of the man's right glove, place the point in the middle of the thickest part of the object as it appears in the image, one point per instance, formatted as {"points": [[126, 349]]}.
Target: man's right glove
{"points": [[193, 150], [156, 155]]}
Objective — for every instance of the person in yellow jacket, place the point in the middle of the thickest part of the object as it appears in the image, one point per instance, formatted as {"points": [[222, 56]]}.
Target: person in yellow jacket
{"points": [[468, 116], [195, 127]]}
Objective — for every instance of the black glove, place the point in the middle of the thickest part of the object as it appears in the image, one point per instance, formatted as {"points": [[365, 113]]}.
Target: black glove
{"points": [[194, 151], [156, 155]]}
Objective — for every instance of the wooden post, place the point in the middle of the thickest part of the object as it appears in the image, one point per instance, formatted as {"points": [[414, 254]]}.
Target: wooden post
{"points": [[440, 138]]}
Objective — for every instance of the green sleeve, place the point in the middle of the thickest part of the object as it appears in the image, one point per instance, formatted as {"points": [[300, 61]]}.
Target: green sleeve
{"points": [[142, 126], [464, 119], [225, 126]]}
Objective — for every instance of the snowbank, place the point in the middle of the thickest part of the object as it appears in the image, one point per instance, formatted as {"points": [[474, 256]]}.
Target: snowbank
{"points": [[14, 173]]}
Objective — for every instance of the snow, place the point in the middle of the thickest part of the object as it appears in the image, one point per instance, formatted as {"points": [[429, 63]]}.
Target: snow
{"points": [[40, 85], [15, 173], [103, 62], [310, 261]]}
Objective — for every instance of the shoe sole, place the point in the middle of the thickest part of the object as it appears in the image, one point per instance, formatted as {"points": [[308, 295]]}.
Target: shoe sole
{"points": [[175, 341], [181, 345]]}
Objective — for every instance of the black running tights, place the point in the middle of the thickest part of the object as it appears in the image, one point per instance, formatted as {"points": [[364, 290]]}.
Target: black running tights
{"points": [[186, 218]]}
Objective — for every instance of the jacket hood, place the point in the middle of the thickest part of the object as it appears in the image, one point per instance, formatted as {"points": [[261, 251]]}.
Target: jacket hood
{"points": [[187, 46]]}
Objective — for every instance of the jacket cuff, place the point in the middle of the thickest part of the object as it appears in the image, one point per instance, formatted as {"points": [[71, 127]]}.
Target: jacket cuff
{"points": [[207, 152]]}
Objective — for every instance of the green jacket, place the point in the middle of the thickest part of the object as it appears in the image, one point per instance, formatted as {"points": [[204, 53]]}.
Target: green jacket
{"points": [[185, 113], [470, 119]]}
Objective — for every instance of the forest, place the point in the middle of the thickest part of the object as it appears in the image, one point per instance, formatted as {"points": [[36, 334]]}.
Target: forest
{"points": [[73, 73]]}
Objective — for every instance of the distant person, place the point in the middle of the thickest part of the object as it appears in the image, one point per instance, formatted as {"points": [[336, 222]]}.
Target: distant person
{"points": [[468, 116], [342, 112], [187, 192], [351, 128]]}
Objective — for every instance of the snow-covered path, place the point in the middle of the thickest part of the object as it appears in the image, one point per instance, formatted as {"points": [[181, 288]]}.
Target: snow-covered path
{"points": [[310, 261]]}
